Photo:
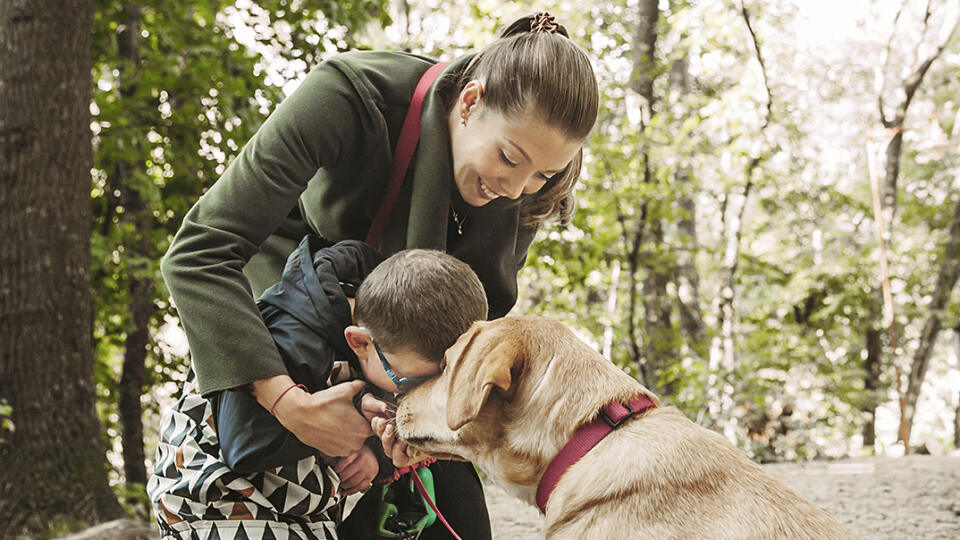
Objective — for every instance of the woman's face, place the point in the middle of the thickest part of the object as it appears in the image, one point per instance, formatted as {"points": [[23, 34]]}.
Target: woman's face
{"points": [[496, 156]]}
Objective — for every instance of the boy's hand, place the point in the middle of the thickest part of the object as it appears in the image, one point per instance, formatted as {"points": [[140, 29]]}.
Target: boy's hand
{"points": [[373, 407], [397, 450], [357, 471]]}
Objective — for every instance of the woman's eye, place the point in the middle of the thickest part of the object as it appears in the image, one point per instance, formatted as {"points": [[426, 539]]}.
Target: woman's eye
{"points": [[503, 157]]}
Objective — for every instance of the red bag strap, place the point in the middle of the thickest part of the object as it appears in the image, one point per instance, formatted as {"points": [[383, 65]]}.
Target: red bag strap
{"points": [[409, 135]]}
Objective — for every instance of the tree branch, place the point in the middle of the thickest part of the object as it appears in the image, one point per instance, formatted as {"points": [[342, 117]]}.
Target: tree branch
{"points": [[763, 66], [912, 82], [882, 82]]}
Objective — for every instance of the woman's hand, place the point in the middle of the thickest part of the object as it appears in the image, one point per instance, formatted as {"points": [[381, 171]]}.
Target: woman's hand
{"points": [[397, 450], [325, 420], [357, 470]]}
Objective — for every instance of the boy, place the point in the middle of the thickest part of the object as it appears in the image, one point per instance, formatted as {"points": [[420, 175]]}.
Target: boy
{"points": [[226, 468]]}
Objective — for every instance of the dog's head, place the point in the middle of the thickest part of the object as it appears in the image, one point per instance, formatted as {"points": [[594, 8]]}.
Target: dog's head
{"points": [[510, 395]]}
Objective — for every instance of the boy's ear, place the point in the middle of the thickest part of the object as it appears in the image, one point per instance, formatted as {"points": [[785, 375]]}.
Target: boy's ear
{"points": [[357, 340]]}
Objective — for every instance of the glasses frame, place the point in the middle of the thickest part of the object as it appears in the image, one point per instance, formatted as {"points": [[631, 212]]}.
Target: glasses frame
{"points": [[404, 384]]}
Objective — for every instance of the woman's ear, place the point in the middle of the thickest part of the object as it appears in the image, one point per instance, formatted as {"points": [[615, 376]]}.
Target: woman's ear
{"points": [[357, 340], [470, 98]]}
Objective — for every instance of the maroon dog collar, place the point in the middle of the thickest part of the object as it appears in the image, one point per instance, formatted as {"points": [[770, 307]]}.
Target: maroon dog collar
{"points": [[611, 417]]}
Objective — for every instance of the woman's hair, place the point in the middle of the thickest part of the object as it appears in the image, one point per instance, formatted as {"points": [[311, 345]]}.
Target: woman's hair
{"points": [[420, 300], [534, 66]]}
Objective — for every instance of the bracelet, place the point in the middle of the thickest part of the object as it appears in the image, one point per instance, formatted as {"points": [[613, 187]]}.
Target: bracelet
{"points": [[289, 388]]}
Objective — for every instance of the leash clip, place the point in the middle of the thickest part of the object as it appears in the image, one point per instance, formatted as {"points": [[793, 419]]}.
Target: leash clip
{"points": [[615, 423]]}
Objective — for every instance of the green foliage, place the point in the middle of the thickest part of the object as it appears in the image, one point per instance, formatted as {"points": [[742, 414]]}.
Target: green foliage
{"points": [[135, 501], [6, 421], [173, 104], [651, 203]]}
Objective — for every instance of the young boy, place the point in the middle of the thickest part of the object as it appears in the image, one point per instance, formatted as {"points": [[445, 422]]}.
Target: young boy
{"points": [[226, 468]]}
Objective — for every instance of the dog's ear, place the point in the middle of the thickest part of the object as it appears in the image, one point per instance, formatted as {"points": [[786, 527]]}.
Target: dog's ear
{"points": [[475, 376]]}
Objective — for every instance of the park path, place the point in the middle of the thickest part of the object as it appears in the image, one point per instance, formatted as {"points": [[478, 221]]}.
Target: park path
{"points": [[908, 498]]}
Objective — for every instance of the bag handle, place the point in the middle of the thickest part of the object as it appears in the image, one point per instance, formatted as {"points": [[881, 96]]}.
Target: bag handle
{"points": [[409, 135]]}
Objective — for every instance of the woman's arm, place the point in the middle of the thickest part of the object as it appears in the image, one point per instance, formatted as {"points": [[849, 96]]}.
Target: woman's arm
{"points": [[315, 127]]}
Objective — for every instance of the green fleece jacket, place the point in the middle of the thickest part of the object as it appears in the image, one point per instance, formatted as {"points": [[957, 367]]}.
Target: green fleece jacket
{"points": [[320, 163]]}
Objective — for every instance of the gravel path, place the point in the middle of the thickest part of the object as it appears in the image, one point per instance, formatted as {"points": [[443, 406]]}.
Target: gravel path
{"points": [[908, 498]]}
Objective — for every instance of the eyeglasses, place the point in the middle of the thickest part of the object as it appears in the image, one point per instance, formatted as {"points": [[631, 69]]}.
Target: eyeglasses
{"points": [[404, 384]]}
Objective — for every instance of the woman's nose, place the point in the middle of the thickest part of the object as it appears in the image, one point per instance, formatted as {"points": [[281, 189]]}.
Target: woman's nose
{"points": [[513, 187]]}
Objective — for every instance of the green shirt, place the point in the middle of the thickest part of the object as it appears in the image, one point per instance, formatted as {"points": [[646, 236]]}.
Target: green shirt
{"points": [[320, 163]]}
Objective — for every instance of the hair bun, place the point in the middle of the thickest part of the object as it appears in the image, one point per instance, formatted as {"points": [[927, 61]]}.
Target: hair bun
{"points": [[533, 24], [543, 22]]}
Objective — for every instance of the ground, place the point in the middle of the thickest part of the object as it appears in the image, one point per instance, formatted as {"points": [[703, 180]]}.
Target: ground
{"points": [[908, 498]]}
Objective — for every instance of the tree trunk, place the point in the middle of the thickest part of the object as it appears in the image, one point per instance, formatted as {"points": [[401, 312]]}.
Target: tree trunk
{"points": [[723, 360], [140, 288], [956, 415], [658, 349], [895, 124], [687, 277], [872, 385], [54, 466], [946, 280], [607, 349]]}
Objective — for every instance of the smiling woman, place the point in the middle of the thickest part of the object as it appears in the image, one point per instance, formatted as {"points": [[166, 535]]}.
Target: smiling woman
{"points": [[498, 153]]}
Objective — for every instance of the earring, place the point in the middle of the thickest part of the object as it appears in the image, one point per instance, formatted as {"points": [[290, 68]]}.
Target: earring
{"points": [[463, 120]]}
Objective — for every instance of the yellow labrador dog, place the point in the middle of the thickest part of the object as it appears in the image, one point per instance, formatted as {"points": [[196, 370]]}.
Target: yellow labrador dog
{"points": [[513, 393]]}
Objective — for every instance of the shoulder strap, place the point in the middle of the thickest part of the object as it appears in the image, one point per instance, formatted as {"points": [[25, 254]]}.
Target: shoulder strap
{"points": [[409, 135]]}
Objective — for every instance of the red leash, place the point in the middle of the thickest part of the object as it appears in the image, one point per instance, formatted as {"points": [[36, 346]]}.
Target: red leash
{"points": [[412, 471], [409, 135], [426, 497]]}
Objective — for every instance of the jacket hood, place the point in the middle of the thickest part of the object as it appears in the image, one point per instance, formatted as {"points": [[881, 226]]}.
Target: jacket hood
{"points": [[310, 289]]}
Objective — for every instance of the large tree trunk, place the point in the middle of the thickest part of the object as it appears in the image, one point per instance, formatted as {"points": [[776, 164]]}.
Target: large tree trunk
{"points": [[54, 465]]}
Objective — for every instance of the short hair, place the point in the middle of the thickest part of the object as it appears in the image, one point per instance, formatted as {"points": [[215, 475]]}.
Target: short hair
{"points": [[420, 300]]}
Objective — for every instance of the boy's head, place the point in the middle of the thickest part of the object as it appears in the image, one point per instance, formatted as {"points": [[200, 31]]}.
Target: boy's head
{"points": [[413, 307]]}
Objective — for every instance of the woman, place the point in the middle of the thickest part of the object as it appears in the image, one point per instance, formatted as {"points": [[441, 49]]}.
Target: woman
{"points": [[499, 152]]}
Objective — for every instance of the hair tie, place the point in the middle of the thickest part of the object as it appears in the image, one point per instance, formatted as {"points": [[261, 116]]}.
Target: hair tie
{"points": [[543, 22]]}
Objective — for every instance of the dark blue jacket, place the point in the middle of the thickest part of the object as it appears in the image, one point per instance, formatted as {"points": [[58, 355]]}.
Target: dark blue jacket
{"points": [[306, 313]]}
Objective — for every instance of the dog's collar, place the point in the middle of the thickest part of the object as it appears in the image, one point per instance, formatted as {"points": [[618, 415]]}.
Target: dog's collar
{"points": [[612, 415]]}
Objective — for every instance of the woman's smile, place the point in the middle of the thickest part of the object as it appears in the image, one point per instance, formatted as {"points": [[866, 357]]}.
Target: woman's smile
{"points": [[485, 190]]}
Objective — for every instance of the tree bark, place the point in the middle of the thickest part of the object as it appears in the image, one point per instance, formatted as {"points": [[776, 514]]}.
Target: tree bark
{"points": [[658, 349], [872, 385], [956, 414], [946, 280], [894, 123], [140, 288], [54, 465], [723, 357], [687, 277]]}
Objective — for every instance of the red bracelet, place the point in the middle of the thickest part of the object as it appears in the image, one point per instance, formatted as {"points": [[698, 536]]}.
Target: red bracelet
{"points": [[289, 388]]}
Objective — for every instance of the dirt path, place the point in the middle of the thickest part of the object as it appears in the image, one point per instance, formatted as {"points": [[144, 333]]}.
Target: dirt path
{"points": [[909, 498]]}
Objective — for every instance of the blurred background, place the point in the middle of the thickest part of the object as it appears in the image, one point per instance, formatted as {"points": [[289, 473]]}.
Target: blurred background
{"points": [[768, 230]]}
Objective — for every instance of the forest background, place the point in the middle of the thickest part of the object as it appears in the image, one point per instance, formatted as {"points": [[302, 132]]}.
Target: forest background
{"points": [[768, 232]]}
